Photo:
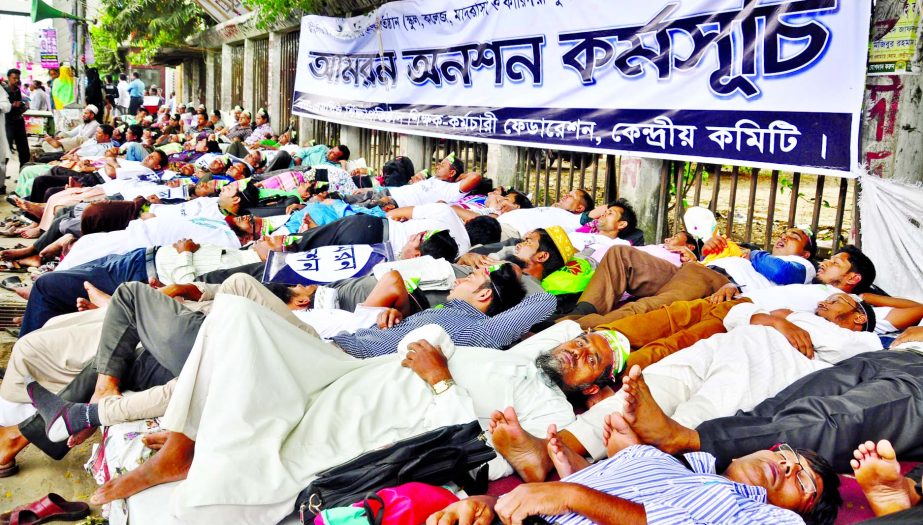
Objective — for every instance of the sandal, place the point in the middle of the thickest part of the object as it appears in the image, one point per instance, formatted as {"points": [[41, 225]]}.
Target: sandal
{"points": [[11, 267], [50, 508], [12, 283], [10, 469]]}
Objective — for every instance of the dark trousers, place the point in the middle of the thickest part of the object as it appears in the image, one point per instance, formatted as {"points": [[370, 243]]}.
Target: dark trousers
{"points": [[237, 149], [133, 104], [56, 293], [137, 314], [16, 135], [44, 186], [254, 270], [145, 373], [355, 229], [873, 396]]}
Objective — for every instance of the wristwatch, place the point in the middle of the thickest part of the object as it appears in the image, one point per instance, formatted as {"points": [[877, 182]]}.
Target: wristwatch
{"points": [[443, 386]]}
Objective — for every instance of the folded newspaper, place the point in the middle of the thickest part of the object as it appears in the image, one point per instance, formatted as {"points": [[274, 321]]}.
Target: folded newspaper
{"points": [[434, 274]]}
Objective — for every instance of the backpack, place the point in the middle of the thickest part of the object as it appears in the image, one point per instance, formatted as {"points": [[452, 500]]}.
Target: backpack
{"points": [[456, 453]]}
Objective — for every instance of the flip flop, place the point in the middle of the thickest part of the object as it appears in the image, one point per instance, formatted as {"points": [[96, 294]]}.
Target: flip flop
{"points": [[12, 267], [50, 508], [12, 283], [10, 469]]}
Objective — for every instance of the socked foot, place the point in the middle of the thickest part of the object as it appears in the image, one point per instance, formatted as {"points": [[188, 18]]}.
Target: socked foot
{"points": [[525, 452], [879, 474], [648, 421], [97, 296], [565, 460], [171, 463]]}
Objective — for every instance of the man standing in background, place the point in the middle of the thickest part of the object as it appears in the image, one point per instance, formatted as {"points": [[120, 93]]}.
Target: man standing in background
{"points": [[135, 93], [15, 123]]}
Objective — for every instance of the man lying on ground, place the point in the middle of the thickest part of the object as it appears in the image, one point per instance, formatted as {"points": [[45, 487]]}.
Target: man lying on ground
{"points": [[136, 313], [313, 384], [642, 485], [448, 184], [59, 292], [657, 283]]}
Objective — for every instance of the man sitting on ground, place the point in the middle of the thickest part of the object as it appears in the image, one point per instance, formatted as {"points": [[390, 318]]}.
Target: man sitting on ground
{"points": [[74, 138]]}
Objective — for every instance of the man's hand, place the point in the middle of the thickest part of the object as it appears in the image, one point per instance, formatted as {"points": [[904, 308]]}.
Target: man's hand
{"points": [[292, 208], [475, 510], [173, 183], [716, 244], [476, 260], [153, 199], [598, 211], [112, 152], [186, 245], [914, 333], [685, 254], [182, 291], [427, 361], [725, 293], [797, 337], [388, 318], [398, 215], [535, 498]]}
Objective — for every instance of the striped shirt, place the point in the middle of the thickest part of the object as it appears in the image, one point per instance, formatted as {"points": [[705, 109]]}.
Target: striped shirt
{"points": [[465, 324], [672, 494]]}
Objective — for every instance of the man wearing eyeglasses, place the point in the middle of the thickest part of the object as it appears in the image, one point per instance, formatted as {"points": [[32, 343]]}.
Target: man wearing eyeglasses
{"points": [[642, 485]]}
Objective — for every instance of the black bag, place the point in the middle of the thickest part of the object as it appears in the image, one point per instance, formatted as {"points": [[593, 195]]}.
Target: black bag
{"points": [[447, 454]]}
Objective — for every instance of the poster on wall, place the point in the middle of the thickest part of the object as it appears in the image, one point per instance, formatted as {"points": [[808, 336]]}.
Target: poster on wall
{"points": [[48, 48], [893, 53], [774, 84]]}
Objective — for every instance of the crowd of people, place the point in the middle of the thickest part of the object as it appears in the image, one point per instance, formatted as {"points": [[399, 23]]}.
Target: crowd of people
{"points": [[692, 381]]}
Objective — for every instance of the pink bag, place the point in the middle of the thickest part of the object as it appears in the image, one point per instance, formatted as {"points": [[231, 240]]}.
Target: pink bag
{"points": [[407, 504]]}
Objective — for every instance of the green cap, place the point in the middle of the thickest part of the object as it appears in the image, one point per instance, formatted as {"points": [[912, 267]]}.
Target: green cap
{"points": [[620, 347]]}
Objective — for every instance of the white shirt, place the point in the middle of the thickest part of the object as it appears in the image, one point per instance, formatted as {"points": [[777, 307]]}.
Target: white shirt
{"points": [[40, 100], [206, 207], [123, 99], [181, 268], [436, 216], [804, 298], [743, 273], [91, 148], [87, 129], [427, 191], [159, 231], [526, 220]]}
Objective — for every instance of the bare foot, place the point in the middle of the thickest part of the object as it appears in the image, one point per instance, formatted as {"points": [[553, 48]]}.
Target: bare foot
{"points": [[84, 304], [565, 460], [879, 474], [31, 233], [155, 440], [33, 261], [97, 296], [106, 386], [617, 435], [525, 452], [57, 247], [80, 437], [648, 421], [171, 463], [32, 208], [11, 443], [14, 254], [23, 292]]}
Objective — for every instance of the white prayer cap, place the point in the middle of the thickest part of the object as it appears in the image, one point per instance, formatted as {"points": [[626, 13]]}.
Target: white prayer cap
{"points": [[92, 109]]}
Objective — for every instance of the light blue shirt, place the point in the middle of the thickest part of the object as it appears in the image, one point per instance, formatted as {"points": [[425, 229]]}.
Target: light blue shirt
{"points": [[675, 495], [136, 88]]}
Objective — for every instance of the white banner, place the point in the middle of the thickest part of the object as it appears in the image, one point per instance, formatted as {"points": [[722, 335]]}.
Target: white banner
{"points": [[769, 84]]}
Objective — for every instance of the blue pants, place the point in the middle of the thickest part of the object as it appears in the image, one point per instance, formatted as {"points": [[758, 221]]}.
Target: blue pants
{"points": [[56, 293]]}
